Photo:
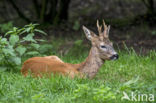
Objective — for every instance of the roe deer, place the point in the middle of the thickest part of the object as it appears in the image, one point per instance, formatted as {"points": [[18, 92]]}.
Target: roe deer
{"points": [[101, 50]]}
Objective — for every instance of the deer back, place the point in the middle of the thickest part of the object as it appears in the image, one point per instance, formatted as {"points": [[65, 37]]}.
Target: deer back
{"points": [[47, 65]]}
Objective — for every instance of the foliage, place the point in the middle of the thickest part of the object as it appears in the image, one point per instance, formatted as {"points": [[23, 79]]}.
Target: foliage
{"points": [[100, 94], [131, 73], [13, 48], [6, 27]]}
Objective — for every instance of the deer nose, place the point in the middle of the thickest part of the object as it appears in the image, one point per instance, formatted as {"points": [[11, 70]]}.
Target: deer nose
{"points": [[114, 57]]}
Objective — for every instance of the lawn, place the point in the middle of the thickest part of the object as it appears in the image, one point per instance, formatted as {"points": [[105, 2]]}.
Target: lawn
{"points": [[131, 73]]}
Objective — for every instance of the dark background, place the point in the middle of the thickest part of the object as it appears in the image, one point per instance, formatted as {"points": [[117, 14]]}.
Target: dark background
{"points": [[133, 22]]}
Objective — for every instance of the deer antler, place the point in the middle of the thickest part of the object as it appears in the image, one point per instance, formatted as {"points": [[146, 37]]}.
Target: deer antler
{"points": [[105, 29], [99, 27], [104, 25]]}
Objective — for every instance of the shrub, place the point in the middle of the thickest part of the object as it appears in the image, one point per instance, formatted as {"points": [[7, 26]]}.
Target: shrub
{"points": [[18, 43]]}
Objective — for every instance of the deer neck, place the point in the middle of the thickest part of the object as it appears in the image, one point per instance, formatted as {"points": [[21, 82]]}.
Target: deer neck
{"points": [[92, 64]]}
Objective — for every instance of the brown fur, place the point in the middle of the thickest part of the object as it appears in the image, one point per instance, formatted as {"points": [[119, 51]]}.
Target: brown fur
{"points": [[39, 65], [89, 68]]}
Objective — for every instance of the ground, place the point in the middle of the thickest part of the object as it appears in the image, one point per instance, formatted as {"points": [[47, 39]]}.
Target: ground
{"points": [[130, 73]]}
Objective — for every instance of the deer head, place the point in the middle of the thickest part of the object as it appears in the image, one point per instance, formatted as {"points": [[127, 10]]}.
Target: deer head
{"points": [[102, 42]]}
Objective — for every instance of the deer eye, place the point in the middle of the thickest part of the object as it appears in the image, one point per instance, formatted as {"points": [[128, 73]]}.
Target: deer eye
{"points": [[102, 46]]}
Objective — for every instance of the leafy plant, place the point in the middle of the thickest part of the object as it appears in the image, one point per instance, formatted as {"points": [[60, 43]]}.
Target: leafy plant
{"points": [[103, 94], [6, 27], [13, 48], [100, 94]]}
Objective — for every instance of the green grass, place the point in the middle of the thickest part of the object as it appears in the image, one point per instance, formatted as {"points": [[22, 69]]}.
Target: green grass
{"points": [[130, 73]]}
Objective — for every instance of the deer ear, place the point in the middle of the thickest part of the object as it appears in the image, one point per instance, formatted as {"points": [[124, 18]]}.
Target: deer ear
{"points": [[89, 34]]}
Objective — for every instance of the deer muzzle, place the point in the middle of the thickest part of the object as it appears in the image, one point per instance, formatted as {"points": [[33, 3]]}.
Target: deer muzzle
{"points": [[114, 57]]}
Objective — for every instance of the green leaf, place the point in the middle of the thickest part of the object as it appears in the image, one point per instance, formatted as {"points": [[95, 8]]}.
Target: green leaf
{"points": [[16, 60], [33, 53], [29, 37], [1, 57], [9, 51], [6, 27], [45, 48], [31, 25], [28, 30], [15, 29], [40, 31], [9, 32], [21, 50], [22, 31], [36, 46], [13, 39], [3, 41]]}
